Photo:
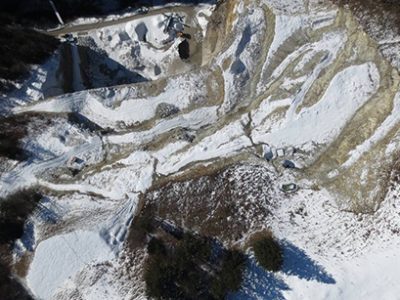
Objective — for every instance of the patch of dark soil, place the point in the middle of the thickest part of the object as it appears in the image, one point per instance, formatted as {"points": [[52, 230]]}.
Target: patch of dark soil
{"points": [[6, 86]]}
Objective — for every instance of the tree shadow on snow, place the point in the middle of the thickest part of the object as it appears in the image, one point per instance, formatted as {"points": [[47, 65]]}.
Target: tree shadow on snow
{"points": [[261, 284], [297, 263]]}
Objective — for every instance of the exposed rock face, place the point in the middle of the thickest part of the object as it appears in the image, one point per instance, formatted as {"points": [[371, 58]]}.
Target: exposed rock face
{"points": [[165, 110]]}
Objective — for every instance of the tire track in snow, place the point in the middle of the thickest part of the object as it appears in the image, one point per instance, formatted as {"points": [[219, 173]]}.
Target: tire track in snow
{"points": [[25, 174]]}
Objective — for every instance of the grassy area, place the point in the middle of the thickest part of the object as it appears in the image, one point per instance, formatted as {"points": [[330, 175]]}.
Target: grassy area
{"points": [[374, 8], [371, 3], [216, 204], [20, 45]]}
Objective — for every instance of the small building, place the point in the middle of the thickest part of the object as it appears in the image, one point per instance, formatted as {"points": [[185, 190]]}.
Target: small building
{"points": [[75, 164]]}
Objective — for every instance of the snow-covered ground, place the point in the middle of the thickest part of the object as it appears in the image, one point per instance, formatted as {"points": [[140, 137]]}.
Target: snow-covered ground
{"points": [[298, 77], [58, 258]]}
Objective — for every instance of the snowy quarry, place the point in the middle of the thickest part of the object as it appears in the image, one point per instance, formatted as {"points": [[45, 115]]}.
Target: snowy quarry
{"points": [[299, 80]]}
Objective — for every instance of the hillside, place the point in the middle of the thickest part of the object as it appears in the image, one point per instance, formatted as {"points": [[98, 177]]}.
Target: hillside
{"points": [[282, 122]]}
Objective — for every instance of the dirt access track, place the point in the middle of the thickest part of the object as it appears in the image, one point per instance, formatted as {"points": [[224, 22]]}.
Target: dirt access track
{"points": [[80, 28]]}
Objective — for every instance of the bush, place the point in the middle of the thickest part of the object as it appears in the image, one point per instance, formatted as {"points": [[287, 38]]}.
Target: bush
{"points": [[22, 47], [156, 247], [268, 252], [14, 210], [145, 221], [183, 265], [12, 130], [160, 277], [194, 247], [10, 288], [40, 13], [73, 8], [10, 147], [232, 268], [173, 274], [186, 270], [229, 278]]}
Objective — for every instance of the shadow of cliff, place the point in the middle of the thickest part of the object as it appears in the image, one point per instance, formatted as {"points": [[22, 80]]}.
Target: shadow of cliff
{"points": [[96, 68]]}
